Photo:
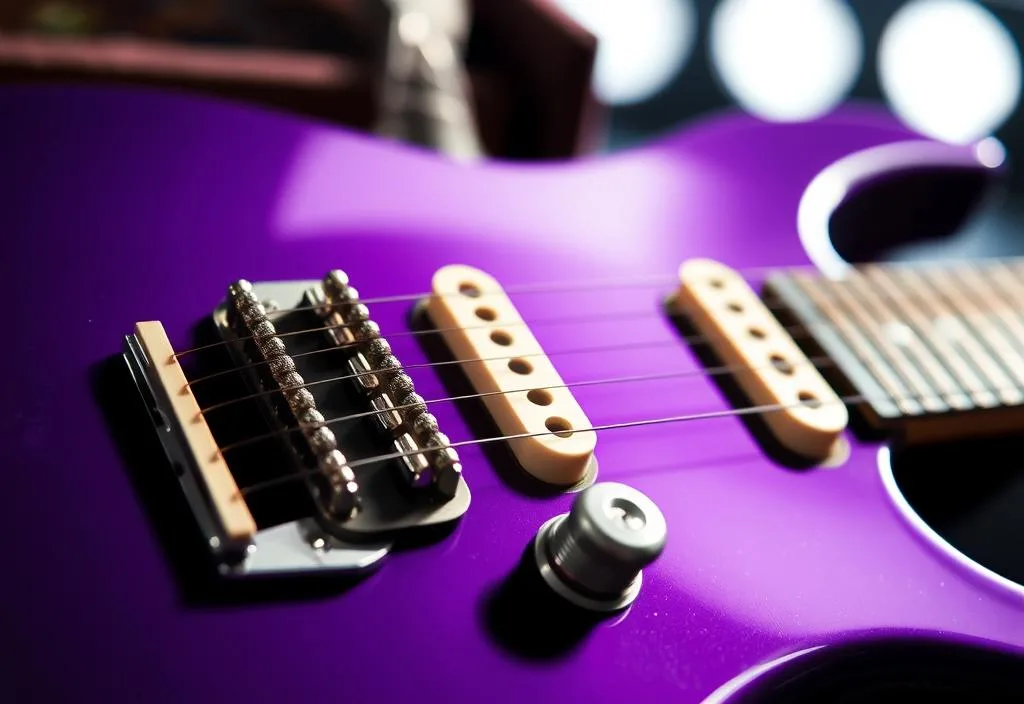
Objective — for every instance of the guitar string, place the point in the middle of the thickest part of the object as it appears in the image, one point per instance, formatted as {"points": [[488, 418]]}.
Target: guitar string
{"points": [[567, 320], [795, 330], [651, 344], [548, 288], [629, 424], [653, 280], [419, 333], [1000, 294], [817, 362], [706, 415], [695, 339]]}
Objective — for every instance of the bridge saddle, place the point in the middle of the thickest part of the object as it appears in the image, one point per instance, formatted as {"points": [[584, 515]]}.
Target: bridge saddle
{"points": [[321, 386]]}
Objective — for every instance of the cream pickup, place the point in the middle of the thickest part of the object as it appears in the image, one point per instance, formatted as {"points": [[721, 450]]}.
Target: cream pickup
{"points": [[520, 387], [808, 417]]}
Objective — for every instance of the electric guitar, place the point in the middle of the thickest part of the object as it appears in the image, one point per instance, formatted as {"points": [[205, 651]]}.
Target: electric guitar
{"points": [[183, 528]]}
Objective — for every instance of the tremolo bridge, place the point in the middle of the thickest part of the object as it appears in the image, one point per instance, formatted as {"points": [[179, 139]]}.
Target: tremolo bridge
{"points": [[319, 373]]}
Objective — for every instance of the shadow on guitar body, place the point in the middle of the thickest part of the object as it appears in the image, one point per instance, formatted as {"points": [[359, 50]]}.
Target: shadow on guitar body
{"points": [[527, 619], [728, 387], [171, 518]]}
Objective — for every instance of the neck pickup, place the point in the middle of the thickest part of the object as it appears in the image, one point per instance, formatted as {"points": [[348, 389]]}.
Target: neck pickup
{"points": [[800, 409]]}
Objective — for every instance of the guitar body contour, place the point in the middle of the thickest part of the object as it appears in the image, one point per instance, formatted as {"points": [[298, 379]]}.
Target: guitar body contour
{"points": [[133, 205]]}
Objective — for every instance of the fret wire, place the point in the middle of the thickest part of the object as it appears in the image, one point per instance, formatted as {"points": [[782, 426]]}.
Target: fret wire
{"points": [[989, 361], [1011, 289], [1015, 265], [952, 390], [955, 361], [949, 328], [1011, 323], [817, 362], [861, 347], [871, 318], [991, 332]]}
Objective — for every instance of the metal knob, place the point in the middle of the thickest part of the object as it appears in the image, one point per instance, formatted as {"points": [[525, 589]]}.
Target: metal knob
{"points": [[593, 555]]}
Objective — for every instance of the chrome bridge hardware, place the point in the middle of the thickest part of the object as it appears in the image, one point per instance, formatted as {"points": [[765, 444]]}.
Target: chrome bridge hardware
{"points": [[340, 491], [348, 370], [265, 455], [239, 547], [401, 413], [423, 96]]}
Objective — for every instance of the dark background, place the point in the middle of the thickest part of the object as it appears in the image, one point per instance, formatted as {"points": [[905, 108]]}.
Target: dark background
{"points": [[695, 91]]}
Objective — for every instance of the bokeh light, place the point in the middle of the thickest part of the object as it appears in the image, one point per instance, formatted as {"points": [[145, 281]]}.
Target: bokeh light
{"points": [[643, 44], [786, 60], [949, 69]]}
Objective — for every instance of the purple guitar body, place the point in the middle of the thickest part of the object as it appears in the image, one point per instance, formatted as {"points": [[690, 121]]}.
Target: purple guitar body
{"points": [[126, 205]]}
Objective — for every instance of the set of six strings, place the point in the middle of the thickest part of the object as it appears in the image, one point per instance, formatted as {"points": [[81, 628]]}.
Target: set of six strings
{"points": [[714, 371]]}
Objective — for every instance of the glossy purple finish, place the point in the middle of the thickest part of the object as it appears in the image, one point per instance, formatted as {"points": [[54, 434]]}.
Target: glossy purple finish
{"points": [[128, 205]]}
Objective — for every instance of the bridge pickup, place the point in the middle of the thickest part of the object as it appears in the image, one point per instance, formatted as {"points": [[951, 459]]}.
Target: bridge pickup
{"points": [[322, 367], [238, 546], [519, 385], [807, 417]]}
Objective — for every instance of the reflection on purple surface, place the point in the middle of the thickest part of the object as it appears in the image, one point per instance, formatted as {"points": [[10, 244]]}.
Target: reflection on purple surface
{"points": [[163, 200]]}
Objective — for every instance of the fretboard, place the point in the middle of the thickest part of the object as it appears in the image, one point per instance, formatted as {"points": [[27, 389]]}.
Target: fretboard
{"points": [[917, 341]]}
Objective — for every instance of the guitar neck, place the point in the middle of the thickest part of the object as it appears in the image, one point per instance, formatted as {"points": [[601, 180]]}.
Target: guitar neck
{"points": [[921, 343], [423, 94]]}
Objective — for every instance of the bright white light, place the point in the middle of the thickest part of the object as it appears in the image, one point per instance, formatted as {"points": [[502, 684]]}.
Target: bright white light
{"points": [[949, 69], [990, 152], [642, 44], [786, 60]]}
